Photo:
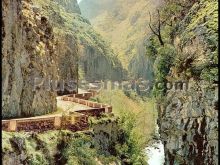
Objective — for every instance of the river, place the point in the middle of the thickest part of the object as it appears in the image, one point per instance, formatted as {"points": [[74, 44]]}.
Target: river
{"points": [[155, 152]]}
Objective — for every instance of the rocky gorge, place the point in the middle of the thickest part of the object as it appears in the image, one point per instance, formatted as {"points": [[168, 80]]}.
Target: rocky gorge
{"points": [[50, 40], [172, 42]]}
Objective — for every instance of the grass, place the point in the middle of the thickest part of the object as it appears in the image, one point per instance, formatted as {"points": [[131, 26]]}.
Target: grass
{"points": [[137, 118], [144, 113], [58, 111]]}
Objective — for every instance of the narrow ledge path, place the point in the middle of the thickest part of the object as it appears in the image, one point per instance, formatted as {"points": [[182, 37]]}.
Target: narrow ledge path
{"points": [[74, 114]]}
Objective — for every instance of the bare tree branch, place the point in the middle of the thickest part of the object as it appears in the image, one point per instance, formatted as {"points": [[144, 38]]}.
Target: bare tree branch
{"points": [[158, 29], [151, 26]]}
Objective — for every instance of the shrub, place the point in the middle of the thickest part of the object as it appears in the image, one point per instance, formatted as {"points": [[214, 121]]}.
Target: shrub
{"points": [[130, 148], [162, 66]]}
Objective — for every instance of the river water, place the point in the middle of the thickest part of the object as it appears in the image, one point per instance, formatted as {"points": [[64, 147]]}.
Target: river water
{"points": [[155, 152]]}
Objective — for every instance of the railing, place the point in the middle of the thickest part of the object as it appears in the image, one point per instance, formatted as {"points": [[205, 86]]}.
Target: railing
{"points": [[74, 121]]}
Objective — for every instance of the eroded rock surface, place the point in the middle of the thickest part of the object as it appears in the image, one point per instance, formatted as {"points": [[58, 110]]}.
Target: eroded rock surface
{"points": [[189, 118], [189, 126], [28, 53]]}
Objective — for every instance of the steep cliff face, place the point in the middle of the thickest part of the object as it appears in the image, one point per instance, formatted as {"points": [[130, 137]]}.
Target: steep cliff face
{"points": [[189, 118], [59, 13], [79, 45], [189, 126], [124, 23], [28, 53], [141, 66]]}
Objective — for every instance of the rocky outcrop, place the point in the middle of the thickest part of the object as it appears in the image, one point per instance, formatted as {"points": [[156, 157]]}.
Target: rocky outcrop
{"points": [[189, 125], [99, 64], [58, 147], [188, 118], [106, 136], [141, 66], [28, 53], [60, 14], [81, 48]]}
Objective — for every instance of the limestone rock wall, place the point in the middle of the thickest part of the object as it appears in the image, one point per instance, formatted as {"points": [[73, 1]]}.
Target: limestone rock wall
{"points": [[106, 136], [188, 118], [189, 125], [28, 52], [99, 64]]}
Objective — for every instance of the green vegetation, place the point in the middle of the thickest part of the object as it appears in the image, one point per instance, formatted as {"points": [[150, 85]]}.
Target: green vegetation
{"points": [[137, 119], [162, 65], [38, 148], [78, 151], [142, 110], [190, 38], [79, 37], [62, 147], [105, 118]]}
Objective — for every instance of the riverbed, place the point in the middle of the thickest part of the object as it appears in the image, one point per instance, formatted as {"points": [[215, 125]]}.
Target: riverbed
{"points": [[155, 152]]}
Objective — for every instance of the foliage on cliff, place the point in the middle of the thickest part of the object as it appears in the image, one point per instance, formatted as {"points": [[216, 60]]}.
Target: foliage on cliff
{"points": [[187, 118], [190, 38], [93, 55], [56, 147]]}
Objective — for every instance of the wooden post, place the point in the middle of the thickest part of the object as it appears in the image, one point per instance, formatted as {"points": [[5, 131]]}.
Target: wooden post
{"points": [[106, 109], [73, 119], [57, 122], [12, 125]]}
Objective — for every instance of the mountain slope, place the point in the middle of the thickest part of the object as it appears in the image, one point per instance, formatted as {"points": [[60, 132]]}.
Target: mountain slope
{"points": [[123, 22], [84, 46]]}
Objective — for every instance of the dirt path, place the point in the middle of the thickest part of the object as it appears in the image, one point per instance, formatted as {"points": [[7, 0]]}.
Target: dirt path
{"points": [[69, 105], [65, 107], [54, 120]]}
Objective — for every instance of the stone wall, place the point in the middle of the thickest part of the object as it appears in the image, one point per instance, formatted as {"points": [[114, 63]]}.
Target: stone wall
{"points": [[94, 105], [74, 121]]}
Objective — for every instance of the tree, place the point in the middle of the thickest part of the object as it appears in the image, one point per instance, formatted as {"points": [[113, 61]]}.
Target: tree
{"points": [[157, 30]]}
